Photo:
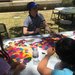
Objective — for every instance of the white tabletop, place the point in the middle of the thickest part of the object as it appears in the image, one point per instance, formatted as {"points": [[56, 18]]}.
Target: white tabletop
{"points": [[31, 67], [69, 10], [66, 10], [70, 34], [60, 8]]}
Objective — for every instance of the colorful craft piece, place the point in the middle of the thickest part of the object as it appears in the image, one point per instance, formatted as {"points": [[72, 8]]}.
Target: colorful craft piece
{"points": [[45, 43], [18, 51], [49, 41], [22, 51]]}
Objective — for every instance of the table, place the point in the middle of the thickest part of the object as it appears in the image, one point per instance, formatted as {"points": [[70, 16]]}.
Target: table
{"points": [[60, 8], [67, 11], [31, 67], [70, 34], [56, 13]]}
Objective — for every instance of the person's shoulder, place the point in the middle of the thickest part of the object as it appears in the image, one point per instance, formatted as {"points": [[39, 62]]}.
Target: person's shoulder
{"points": [[28, 17], [57, 72], [64, 71], [68, 71]]}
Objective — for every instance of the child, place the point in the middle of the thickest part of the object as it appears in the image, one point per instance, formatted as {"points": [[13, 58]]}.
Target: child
{"points": [[65, 49], [34, 20]]}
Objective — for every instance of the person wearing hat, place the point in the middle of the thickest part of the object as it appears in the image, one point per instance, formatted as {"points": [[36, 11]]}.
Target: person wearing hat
{"points": [[34, 20]]}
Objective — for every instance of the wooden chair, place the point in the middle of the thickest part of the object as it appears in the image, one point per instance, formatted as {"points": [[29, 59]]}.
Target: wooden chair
{"points": [[3, 31], [3, 52]]}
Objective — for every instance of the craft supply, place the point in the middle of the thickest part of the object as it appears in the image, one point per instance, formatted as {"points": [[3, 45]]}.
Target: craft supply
{"points": [[35, 55]]}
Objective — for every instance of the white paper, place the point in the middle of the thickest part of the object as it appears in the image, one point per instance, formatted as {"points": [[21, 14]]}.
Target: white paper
{"points": [[52, 61]]}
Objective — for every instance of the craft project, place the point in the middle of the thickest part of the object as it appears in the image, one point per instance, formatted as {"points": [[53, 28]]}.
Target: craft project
{"points": [[18, 51], [49, 41], [21, 50]]}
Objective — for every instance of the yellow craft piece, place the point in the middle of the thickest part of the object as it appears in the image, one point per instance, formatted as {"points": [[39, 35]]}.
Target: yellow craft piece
{"points": [[14, 60], [28, 55]]}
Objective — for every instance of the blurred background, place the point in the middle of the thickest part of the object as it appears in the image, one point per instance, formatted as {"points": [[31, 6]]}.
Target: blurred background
{"points": [[13, 13]]}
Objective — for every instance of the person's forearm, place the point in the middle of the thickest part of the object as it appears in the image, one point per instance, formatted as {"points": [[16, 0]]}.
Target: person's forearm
{"points": [[37, 30], [26, 32], [33, 32], [43, 65], [30, 32], [48, 28]]}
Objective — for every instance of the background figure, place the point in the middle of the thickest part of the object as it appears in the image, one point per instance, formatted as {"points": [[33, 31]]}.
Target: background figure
{"points": [[65, 49], [6, 64], [34, 20]]}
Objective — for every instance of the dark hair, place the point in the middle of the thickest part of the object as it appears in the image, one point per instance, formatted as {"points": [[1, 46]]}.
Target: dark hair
{"points": [[3, 52], [31, 5], [65, 49]]}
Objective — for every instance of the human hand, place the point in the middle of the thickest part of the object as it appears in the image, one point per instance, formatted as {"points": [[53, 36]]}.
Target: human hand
{"points": [[30, 32], [50, 30], [37, 30], [19, 68], [14, 65], [50, 51]]}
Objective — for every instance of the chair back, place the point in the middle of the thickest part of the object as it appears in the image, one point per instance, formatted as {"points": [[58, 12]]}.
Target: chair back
{"points": [[3, 52], [3, 31]]}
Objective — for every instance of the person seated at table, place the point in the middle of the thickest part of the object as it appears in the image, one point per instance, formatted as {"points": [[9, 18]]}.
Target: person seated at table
{"points": [[34, 20], [6, 64], [65, 49]]}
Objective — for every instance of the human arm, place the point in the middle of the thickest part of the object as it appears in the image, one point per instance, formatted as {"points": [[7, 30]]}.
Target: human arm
{"points": [[47, 28], [37, 30], [42, 66], [45, 24], [27, 26], [25, 31]]}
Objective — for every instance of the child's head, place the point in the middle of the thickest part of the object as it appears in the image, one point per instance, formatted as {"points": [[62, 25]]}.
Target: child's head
{"points": [[32, 5], [65, 48]]}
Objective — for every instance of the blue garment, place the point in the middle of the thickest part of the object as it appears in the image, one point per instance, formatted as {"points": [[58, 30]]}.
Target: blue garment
{"points": [[65, 71]]}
